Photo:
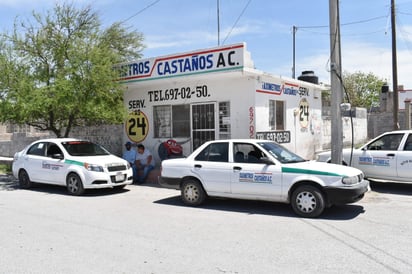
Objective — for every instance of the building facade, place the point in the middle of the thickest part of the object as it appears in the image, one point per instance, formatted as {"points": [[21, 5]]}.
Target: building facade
{"points": [[177, 102]]}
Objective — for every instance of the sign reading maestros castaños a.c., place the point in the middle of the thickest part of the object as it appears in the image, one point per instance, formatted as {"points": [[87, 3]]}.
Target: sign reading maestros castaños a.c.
{"points": [[203, 61]]}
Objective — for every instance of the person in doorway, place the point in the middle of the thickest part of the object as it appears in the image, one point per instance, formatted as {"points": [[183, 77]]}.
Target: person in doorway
{"points": [[144, 163], [130, 155]]}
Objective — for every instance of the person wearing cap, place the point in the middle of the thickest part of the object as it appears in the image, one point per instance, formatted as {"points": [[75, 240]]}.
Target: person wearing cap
{"points": [[144, 163], [130, 155]]}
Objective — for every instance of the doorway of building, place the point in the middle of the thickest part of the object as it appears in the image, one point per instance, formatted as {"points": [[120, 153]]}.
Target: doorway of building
{"points": [[203, 123]]}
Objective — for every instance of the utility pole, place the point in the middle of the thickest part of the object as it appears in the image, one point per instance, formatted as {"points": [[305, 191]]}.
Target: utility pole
{"points": [[394, 69], [294, 30], [336, 85], [218, 23]]}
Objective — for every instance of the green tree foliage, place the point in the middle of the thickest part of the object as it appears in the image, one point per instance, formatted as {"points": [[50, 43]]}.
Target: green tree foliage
{"points": [[362, 89], [57, 71]]}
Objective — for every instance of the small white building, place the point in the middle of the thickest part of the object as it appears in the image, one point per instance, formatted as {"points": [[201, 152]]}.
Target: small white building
{"points": [[405, 95], [177, 102]]}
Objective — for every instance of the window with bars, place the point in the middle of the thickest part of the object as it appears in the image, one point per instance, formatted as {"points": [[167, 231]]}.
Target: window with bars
{"points": [[224, 120], [276, 115], [171, 121]]}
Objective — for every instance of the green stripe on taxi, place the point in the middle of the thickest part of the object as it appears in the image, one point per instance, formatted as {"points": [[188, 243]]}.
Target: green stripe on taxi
{"points": [[72, 162], [307, 171]]}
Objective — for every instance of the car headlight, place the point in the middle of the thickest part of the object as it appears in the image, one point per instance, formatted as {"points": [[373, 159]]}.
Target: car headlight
{"points": [[350, 180], [91, 167]]}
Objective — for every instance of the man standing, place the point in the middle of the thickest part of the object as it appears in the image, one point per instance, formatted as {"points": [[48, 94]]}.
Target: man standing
{"points": [[130, 155], [144, 163]]}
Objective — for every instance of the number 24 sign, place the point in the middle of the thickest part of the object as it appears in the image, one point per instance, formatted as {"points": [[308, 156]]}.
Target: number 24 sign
{"points": [[137, 126], [304, 113]]}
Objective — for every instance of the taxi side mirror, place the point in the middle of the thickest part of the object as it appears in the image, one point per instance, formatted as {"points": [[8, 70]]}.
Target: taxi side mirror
{"points": [[58, 156]]}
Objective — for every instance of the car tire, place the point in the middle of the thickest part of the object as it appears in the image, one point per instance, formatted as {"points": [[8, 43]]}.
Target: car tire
{"points": [[308, 201], [192, 193], [24, 179], [74, 184]]}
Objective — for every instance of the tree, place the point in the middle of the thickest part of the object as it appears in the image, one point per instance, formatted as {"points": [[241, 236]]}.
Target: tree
{"points": [[362, 89], [58, 72]]}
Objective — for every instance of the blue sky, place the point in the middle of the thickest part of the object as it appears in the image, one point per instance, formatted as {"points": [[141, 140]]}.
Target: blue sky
{"points": [[174, 26]]}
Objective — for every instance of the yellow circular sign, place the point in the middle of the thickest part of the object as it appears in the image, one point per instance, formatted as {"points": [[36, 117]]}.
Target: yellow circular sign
{"points": [[137, 126], [304, 113]]}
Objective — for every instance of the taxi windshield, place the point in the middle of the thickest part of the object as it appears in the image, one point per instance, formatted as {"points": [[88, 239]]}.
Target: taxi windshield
{"points": [[84, 148], [280, 153]]}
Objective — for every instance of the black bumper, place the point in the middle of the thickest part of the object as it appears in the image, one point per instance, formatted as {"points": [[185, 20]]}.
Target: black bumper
{"points": [[168, 182], [346, 195]]}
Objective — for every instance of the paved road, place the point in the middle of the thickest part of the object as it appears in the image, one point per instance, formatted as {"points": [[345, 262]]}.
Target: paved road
{"points": [[146, 229]]}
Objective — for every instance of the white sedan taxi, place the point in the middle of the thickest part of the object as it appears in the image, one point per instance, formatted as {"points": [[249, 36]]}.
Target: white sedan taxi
{"points": [[388, 157], [76, 164], [262, 170]]}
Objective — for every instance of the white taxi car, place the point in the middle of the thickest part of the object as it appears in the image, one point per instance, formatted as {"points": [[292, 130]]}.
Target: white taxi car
{"points": [[76, 164], [388, 157], [261, 170]]}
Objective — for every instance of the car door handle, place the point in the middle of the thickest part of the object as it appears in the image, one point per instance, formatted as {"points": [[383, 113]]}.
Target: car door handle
{"points": [[237, 168], [198, 166], [390, 154]]}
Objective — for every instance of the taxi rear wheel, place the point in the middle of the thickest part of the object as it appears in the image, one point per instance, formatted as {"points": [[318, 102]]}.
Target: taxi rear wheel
{"points": [[308, 201], [24, 179], [192, 193], [74, 184]]}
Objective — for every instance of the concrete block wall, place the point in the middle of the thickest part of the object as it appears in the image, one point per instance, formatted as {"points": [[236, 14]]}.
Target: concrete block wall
{"points": [[379, 123], [109, 136], [360, 125], [17, 142]]}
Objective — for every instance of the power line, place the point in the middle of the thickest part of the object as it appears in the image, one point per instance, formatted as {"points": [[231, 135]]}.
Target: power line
{"points": [[365, 20], [345, 24], [237, 20], [140, 11], [346, 35]]}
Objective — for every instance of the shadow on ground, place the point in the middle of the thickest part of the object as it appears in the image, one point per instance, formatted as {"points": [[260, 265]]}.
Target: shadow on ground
{"points": [[392, 188], [9, 183], [61, 190], [344, 212]]}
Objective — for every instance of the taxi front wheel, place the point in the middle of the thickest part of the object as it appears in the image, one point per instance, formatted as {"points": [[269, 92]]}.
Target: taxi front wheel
{"points": [[192, 192], [308, 201], [24, 179], [74, 184]]}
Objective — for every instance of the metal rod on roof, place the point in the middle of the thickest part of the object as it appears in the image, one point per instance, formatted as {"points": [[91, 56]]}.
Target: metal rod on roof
{"points": [[218, 23], [294, 30]]}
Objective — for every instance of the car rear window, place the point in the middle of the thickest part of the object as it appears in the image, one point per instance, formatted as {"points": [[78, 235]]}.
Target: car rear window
{"points": [[84, 148]]}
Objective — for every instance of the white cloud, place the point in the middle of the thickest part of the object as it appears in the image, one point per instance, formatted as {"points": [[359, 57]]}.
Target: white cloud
{"points": [[404, 33], [179, 39], [365, 58]]}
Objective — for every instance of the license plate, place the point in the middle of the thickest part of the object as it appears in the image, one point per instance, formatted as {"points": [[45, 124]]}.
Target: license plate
{"points": [[119, 177]]}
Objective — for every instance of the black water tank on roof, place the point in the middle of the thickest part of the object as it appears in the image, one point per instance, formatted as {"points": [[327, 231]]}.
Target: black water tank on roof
{"points": [[385, 88], [309, 76]]}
